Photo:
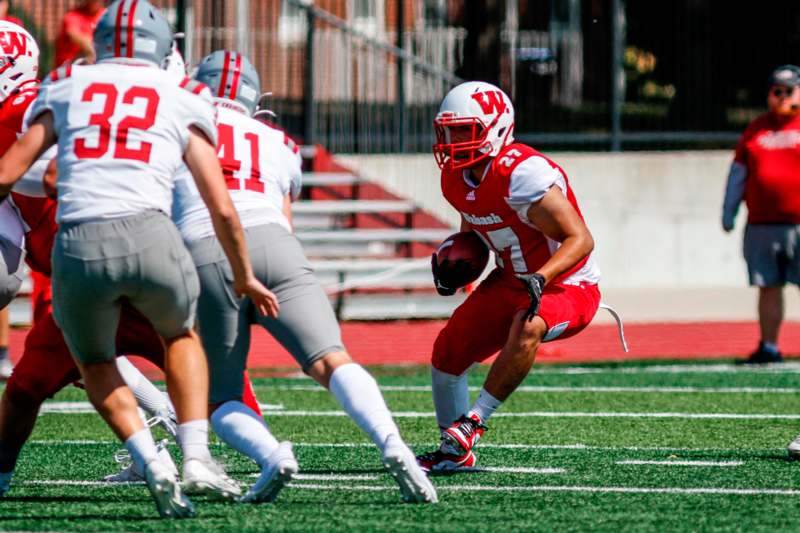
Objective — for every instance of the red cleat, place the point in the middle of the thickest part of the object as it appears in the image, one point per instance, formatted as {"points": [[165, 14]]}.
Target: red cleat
{"points": [[440, 461], [464, 433]]}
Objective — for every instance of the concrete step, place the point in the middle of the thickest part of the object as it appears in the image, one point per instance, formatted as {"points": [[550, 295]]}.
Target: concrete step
{"points": [[374, 235], [374, 273], [399, 307], [346, 207], [330, 179], [313, 221]]}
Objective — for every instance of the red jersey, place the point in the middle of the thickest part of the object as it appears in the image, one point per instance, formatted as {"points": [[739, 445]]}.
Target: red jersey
{"points": [[496, 209], [38, 212], [770, 150], [79, 21]]}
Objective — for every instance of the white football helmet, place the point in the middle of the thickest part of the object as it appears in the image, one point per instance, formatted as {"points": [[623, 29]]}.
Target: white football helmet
{"points": [[19, 58], [475, 121]]}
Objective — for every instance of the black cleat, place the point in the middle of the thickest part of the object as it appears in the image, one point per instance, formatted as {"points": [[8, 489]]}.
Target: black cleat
{"points": [[761, 357]]}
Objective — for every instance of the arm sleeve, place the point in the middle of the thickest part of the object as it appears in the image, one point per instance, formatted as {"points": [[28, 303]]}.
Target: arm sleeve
{"points": [[530, 180], [734, 192]]}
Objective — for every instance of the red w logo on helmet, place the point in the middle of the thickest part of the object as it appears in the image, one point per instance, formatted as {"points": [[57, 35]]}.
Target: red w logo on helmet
{"points": [[490, 101], [13, 43]]}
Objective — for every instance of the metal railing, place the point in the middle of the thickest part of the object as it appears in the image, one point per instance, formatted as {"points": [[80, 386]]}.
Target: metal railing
{"points": [[349, 88], [627, 75]]}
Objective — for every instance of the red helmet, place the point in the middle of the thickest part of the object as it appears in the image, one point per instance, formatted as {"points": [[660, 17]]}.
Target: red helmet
{"points": [[486, 111]]}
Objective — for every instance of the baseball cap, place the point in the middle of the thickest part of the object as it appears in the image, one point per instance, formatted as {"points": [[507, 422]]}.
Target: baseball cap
{"points": [[787, 75]]}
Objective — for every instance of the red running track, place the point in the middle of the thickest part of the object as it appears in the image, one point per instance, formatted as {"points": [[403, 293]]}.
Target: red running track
{"points": [[402, 343]]}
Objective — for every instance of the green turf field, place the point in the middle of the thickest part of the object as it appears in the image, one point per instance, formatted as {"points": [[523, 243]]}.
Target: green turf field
{"points": [[635, 447]]}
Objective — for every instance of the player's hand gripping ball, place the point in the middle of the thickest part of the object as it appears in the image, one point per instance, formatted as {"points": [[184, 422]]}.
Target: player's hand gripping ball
{"points": [[459, 261]]}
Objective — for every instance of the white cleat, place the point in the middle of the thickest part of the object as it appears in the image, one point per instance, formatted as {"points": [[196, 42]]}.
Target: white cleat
{"points": [[399, 460], [171, 502], [6, 368], [132, 474], [5, 482], [208, 477], [166, 420], [280, 469], [794, 448]]}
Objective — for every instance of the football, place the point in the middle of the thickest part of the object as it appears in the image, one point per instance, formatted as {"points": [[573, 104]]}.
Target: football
{"points": [[461, 259]]}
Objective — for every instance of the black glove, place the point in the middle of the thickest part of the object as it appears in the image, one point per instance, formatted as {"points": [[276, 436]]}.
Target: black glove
{"points": [[441, 289], [535, 286]]}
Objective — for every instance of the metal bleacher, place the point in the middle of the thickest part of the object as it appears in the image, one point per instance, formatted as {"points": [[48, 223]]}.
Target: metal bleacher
{"points": [[368, 272]]}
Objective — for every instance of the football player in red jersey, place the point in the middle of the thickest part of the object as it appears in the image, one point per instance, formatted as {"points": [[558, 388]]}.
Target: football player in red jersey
{"points": [[545, 284]]}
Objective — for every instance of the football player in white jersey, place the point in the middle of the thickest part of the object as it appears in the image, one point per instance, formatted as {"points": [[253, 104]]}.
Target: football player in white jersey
{"points": [[123, 128], [262, 169]]}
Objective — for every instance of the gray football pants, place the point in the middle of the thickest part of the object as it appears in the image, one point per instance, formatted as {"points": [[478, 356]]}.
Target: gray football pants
{"points": [[306, 325]]}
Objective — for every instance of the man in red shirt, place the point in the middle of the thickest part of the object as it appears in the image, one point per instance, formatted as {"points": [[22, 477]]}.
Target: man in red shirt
{"points": [[766, 173], [75, 38], [520, 203]]}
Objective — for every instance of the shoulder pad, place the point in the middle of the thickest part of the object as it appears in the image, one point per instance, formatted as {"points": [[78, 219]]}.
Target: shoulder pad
{"points": [[288, 141], [61, 73], [193, 86]]}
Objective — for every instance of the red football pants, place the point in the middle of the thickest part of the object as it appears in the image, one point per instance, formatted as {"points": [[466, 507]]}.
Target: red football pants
{"points": [[479, 327]]}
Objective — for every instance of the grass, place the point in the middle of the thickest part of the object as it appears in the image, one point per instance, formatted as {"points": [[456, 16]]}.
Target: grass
{"points": [[751, 484]]}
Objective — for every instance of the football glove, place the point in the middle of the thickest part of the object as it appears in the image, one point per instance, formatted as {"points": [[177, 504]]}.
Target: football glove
{"points": [[535, 286], [441, 288]]}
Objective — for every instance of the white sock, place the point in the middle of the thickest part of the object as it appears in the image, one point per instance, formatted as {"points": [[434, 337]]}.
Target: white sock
{"points": [[193, 438], [243, 430], [359, 395], [149, 398], [142, 448], [450, 396], [485, 405]]}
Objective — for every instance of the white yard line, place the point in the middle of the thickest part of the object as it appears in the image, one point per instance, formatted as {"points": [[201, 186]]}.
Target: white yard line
{"points": [[76, 483], [85, 407], [680, 463], [790, 367], [486, 488], [566, 488], [517, 470], [483, 446], [547, 388], [331, 477], [568, 414]]}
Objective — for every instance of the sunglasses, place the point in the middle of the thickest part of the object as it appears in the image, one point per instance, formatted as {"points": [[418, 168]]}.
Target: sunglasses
{"points": [[780, 92]]}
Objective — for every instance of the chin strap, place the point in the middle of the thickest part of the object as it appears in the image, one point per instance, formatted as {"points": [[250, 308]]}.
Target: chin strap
{"points": [[620, 327]]}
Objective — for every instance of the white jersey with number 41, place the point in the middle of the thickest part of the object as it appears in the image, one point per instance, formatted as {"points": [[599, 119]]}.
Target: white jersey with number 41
{"points": [[122, 130], [261, 166]]}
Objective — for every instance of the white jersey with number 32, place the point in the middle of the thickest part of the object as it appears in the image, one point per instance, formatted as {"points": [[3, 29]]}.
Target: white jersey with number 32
{"points": [[122, 130], [261, 166]]}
